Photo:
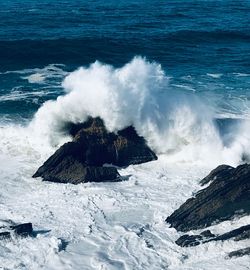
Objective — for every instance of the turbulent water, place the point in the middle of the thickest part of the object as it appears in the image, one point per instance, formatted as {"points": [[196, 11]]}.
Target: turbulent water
{"points": [[178, 71]]}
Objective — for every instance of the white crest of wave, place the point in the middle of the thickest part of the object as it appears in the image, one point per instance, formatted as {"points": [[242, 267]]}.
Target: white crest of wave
{"points": [[136, 94]]}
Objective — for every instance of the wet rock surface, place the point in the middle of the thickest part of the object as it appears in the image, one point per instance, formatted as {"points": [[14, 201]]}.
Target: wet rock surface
{"points": [[227, 195], [218, 173], [194, 240], [238, 234], [84, 159], [239, 253]]}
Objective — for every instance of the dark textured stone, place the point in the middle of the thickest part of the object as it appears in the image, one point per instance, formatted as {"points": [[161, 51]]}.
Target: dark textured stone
{"points": [[24, 229], [194, 240], [241, 233], [239, 253], [189, 240], [83, 159], [5, 235], [226, 196], [238, 234], [121, 149], [220, 172], [207, 234]]}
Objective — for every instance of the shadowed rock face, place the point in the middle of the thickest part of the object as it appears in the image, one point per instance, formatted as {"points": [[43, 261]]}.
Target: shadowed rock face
{"points": [[227, 195], [93, 146]]}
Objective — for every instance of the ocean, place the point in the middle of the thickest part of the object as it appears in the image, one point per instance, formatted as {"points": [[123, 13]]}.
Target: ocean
{"points": [[177, 70]]}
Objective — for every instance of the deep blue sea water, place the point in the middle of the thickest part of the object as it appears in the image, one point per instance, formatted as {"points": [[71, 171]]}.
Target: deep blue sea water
{"points": [[203, 46]]}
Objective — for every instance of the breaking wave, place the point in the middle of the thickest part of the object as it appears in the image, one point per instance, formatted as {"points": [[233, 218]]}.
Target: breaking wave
{"points": [[174, 123]]}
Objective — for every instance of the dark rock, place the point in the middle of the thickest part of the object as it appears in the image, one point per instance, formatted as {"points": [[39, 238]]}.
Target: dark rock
{"points": [[238, 234], [22, 230], [207, 234], [64, 167], [241, 233], [242, 236], [5, 235], [194, 240], [121, 149], [131, 148], [239, 253], [189, 240], [83, 159], [227, 195], [63, 245], [220, 172]]}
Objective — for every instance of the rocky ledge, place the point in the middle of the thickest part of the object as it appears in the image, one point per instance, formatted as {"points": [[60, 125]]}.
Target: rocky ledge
{"points": [[227, 195], [84, 159]]}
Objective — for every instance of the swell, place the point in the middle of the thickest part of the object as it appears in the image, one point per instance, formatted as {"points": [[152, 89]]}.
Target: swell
{"points": [[15, 54], [215, 35], [171, 49]]}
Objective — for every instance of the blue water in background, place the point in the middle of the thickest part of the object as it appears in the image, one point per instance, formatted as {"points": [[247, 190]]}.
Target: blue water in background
{"points": [[203, 46]]}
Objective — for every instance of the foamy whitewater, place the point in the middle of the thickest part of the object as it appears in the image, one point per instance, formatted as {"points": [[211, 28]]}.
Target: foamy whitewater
{"points": [[117, 225], [173, 123]]}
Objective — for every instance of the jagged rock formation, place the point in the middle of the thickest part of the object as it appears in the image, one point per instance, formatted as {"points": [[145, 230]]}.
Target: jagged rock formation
{"points": [[83, 159], [227, 195]]}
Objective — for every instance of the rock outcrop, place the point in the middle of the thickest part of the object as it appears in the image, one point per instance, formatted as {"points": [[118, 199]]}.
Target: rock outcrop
{"points": [[227, 195], [84, 159], [238, 234]]}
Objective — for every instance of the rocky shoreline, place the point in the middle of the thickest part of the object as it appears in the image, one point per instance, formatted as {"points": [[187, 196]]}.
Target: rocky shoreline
{"points": [[226, 196], [94, 155]]}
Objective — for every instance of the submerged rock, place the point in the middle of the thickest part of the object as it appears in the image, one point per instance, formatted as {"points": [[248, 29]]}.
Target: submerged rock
{"points": [[227, 195], [238, 234], [83, 159]]}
